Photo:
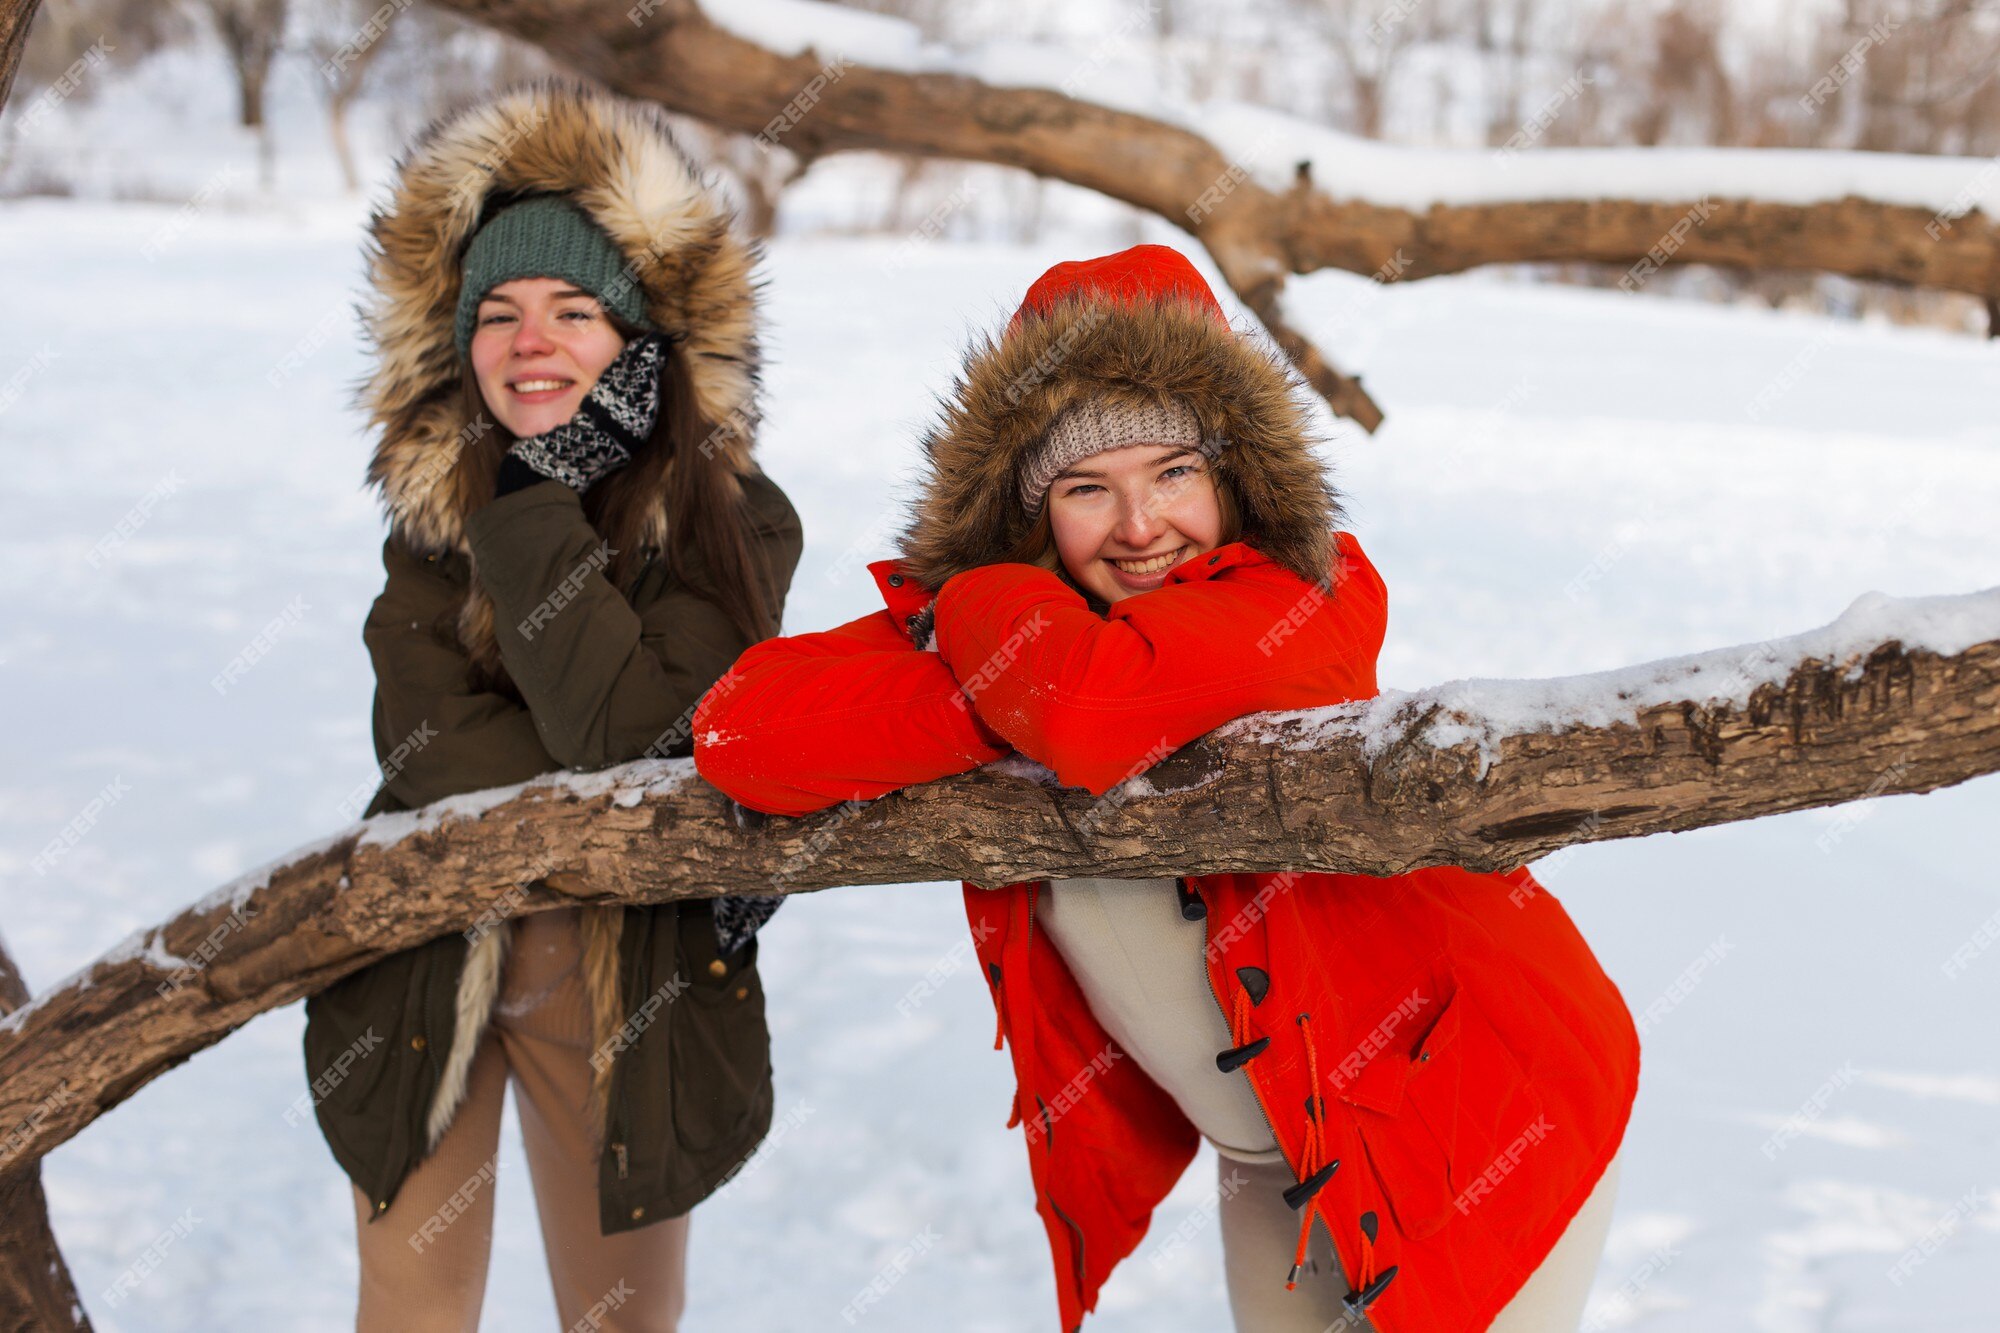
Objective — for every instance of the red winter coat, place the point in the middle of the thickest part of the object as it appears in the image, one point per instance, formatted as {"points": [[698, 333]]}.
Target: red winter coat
{"points": [[1444, 1064]]}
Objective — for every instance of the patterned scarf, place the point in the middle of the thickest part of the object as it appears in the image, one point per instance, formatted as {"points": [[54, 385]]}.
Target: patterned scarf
{"points": [[609, 425]]}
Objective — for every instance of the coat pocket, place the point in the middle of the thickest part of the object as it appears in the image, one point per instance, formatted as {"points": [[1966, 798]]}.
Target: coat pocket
{"points": [[1489, 1116], [363, 1077], [721, 1048], [346, 1024], [1409, 1163], [1438, 1125]]}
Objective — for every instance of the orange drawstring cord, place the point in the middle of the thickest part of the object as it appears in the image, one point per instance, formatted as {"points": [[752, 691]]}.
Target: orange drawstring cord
{"points": [[1299, 1257], [1312, 1071], [999, 1031], [1318, 1139], [1310, 1155]]}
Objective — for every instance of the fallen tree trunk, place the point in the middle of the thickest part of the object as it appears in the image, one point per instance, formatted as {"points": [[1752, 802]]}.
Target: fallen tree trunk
{"points": [[1487, 775], [669, 52], [36, 1293]]}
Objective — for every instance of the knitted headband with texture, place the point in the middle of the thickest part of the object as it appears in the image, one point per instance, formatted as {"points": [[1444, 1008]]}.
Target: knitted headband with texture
{"points": [[1098, 424]]}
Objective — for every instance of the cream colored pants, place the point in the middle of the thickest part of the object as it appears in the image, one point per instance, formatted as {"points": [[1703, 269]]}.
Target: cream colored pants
{"points": [[1139, 964], [424, 1261]]}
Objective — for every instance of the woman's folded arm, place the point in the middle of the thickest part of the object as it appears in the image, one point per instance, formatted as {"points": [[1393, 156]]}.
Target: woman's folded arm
{"points": [[809, 720], [1098, 699]]}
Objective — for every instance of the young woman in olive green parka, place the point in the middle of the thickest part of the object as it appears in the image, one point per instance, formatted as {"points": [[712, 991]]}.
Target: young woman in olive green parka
{"points": [[579, 546]]}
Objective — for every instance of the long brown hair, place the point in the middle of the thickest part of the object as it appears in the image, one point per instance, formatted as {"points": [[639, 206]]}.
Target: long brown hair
{"points": [[708, 546]]}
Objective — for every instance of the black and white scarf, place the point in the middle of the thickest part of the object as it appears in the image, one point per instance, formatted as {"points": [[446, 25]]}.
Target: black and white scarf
{"points": [[609, 425]]}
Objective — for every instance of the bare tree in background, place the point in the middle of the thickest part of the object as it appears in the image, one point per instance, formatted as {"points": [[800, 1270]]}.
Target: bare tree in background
{"points": [[439, 62], [62, 52], [252, 32], [346, 39], [754, 175], [1919, 75], [123, 32], [1502, 31], [1368, 39], [1687, 83]]}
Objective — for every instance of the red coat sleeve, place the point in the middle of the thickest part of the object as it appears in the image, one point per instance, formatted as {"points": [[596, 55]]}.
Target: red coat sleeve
{"points": [[807, 721], [1098, 699]]}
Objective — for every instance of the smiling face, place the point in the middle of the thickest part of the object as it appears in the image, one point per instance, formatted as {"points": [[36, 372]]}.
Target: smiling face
{"points": [[538, 345], [1122, 518]]}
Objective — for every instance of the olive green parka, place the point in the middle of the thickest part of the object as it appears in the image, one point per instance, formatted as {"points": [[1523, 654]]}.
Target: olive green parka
{"points": [[503, 650]]}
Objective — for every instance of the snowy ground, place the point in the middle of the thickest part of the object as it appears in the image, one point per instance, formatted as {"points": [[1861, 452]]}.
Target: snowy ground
{"points": [[1569, 480]]}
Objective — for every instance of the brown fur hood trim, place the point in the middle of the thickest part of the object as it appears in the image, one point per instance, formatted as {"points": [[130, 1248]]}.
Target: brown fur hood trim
{"points": [[619, 161], [1013, 386]]}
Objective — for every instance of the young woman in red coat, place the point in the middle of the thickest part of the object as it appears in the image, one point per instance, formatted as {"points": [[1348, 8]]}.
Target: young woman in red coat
{"points": [[1125, 541]]}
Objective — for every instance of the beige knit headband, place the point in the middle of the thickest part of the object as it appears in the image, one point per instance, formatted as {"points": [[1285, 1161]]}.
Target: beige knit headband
{"points": [[1102, 423]]}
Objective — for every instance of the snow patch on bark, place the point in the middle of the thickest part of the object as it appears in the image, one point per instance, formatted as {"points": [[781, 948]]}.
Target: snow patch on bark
{"points": [[1483, 712]]}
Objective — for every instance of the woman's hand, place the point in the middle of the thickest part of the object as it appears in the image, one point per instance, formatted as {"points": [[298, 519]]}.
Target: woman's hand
{"points": [[613, 420]]}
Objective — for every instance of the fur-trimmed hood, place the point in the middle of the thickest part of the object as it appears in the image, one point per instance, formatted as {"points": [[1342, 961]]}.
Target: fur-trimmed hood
{"points": [[617, 160], [1112, 326]]}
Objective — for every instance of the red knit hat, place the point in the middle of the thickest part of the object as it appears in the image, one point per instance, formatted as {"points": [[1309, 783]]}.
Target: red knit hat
{"points": [[1141, 274]]}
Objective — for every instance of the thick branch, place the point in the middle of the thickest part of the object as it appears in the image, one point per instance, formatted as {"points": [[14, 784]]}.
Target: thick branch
{"points": [[16, 17], [1487, 775], [36, 1293], [1258, 236]]}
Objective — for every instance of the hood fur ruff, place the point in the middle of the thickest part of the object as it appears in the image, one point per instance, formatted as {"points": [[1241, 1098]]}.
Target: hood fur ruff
{"points": [[433, 466], [1012, 387], [619, 161]]}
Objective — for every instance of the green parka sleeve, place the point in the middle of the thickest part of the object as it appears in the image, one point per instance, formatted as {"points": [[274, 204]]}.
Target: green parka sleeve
{"points": [[452, 738], [605, 681]]}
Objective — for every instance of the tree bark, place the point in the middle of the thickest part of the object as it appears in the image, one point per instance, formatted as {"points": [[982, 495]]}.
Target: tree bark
{"points": [[677, 57], [16, 17], [1374, 787], [36, 1293]]}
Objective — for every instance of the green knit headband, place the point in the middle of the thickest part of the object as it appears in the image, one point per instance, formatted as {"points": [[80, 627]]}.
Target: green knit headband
{"points": [[547, 236]]}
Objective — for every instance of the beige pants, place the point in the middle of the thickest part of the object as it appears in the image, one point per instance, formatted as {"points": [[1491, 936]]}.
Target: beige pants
{"points": [[424, 1261], [1260, 1234], [1139, 964]]}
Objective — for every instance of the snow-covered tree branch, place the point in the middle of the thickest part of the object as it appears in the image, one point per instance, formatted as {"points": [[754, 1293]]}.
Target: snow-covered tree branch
{"points": [[1268, 195], [1895, 696]]}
